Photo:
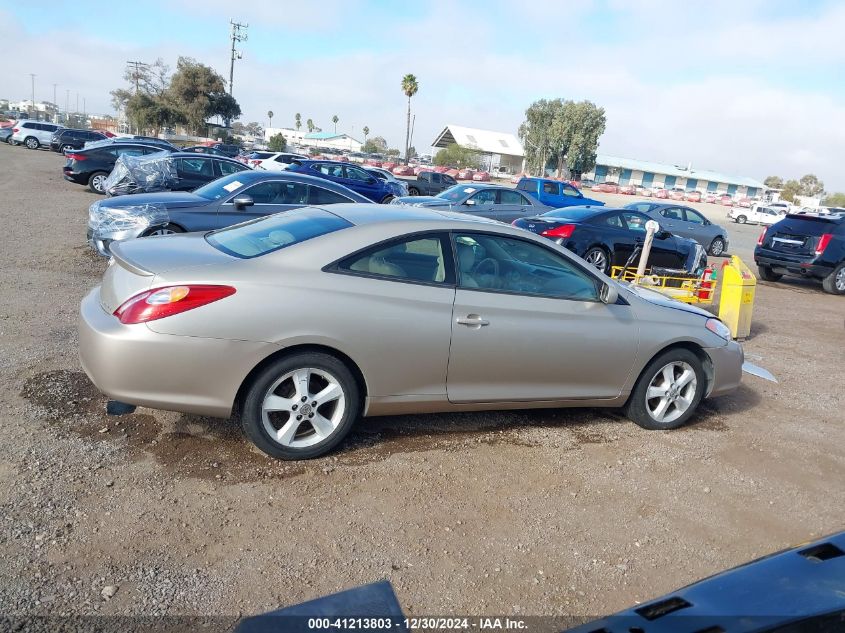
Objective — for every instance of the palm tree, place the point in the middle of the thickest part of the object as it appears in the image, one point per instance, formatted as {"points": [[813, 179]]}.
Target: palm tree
{"points": [[298, 118], [310, 125], [270, 116], [366, 134], [409, 87], [335, 120]]}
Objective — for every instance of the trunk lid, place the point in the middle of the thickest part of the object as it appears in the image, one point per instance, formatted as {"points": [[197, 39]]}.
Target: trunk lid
{"points": [[135, 264], [799, 234]]}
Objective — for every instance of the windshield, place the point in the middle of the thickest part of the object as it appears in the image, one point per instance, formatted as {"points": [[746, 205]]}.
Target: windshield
{"points": [[570, 213], [222, 187], [456, 192], [265, 235]]}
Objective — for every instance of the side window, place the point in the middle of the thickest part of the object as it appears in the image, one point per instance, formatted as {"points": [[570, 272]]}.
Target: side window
{"points": [[568, 190], [635, 221], [552, 188], [671, 213], [434, 177], [417, 259], [265, 192], [131, 151], [505, 264], [227, 168], [196, 167], [615, 221], [353, 173], [318, 195], [512, 197], [694, 217], [485, 196], [642, 207], [448, 180]]}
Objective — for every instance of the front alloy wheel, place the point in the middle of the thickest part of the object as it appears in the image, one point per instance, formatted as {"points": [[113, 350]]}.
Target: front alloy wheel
{"points": [[717, 247], [668, 391], [31, 142], [301, 407]]}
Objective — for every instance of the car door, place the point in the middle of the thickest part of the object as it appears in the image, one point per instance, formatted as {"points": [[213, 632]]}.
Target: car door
{"points": [[697, 227], [271, 196], [570, 196], [527, 325], [366, 184], [616, 233], [480, 202], [511, 205], [670, 218], [550, 193]]}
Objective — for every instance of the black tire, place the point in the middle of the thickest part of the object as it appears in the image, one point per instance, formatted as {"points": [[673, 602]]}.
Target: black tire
{"points": [[96, 180], [741, 219], [252, 418], [11, 142], [163, 230], [717, 247], [767, 274], [413, 191], [636, 408], [387, 199], [834, 283], [30, 142], [594, 253], [65, 148]]}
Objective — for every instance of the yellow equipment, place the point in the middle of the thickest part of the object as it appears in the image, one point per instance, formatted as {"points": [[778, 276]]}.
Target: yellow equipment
{"points": [[737, 301], [700, 290]]}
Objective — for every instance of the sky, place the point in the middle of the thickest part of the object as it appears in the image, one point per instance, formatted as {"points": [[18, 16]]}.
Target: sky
{"points": [[745, 87]]}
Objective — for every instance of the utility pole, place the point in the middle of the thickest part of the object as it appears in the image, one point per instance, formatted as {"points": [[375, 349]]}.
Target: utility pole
{"points": [[237, 35], [33, 93], [67, 105], [55, 106], [136, 74]]}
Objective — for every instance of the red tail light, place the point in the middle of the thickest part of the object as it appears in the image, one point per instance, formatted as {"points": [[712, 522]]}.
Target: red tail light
{"points": [[824, 240], [164, 302], [73, 156], [564, 230], [15, 130], [762, 237]]}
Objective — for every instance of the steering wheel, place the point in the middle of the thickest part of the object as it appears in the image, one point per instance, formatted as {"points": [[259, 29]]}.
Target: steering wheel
{"points": [[493, 265]]}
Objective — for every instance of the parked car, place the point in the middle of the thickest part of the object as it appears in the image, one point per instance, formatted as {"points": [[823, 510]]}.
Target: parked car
{"points": [[805, 245], [607, 187], [146, 140], [755, 215], [606, 237], [274, 161], [692, 196], [403, 170], [725, 200], [661, 193], [91, 165], [645, 192], [465, 174], [352, 176], [494, 202], [429, 183], [554, 194], [627, 190], [481, 176], [387, 176], [686, 222], [677, 193], [712, 197], [33, 134], [65, 139], [228, 150], [5, 134], [421, 168], [232, 199], [202, 149], [167, 171], [745, 203], [350, 283]]}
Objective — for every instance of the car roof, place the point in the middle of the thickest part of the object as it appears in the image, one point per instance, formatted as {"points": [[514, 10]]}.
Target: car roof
{"points": [[252, 176], [207, 156], [359, 214]]}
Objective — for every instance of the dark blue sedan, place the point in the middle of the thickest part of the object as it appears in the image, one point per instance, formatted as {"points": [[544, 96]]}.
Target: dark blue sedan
{"points": [[351, 176]]}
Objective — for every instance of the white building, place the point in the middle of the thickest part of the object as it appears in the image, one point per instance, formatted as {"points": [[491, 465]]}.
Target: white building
{"points": [[501, 152], [315, 139]]}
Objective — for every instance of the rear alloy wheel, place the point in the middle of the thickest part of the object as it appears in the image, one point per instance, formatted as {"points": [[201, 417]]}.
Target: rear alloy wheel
{"points": [[413, 191], [387, 199], [717, 247], [767, 274], [97, 181], [301, 406], [67, 148], [599, 258], [31, 142], [167, 229], [741, 219], [668, 391], [834, 283]]}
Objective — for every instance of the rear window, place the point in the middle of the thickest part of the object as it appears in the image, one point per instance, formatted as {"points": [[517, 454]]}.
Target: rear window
{"points": [[570, 213], [265, 235], [526, 185]]}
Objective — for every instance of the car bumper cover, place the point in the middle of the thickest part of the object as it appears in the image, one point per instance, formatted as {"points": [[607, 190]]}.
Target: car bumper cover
{"points": [[727, 368]]}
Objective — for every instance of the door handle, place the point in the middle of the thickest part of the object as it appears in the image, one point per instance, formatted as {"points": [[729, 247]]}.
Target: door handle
{"points": [[472, 320]]}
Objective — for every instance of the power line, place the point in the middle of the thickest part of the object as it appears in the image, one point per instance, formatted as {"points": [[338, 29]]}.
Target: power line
{"points": [[238, 34]]}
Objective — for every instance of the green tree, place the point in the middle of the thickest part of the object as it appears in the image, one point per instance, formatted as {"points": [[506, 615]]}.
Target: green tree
{"points": [[811, 185], [410, 88], [310, 125], [565, 133], [335, 120], [297, 121], [278, 143], [454, 155], [791, 190], [834, 200], [393, 152], [376, 145], [199, 92], [773, 182], [412, 152], [270, 116]]}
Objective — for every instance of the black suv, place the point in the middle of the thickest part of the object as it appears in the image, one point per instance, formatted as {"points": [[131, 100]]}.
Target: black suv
{"points": [[92, 165], [807, 245], [228, 150], [68, 138]]}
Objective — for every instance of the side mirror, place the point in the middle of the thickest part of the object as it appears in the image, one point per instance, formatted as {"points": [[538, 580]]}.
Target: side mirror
{"points": [[663, 235], [470, 202], [371, 180], [243, 201], [608, 294]]}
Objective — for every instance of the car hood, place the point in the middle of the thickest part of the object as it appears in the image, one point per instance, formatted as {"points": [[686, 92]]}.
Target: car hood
{"points": [[658, 299], [590, 202], [166, 199], [423, 201]]}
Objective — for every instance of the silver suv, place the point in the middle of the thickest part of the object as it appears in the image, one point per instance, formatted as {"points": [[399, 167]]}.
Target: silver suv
{"points": [[33, 134]]}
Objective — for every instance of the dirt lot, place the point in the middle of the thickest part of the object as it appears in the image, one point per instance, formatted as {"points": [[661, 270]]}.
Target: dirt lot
{"points": [[573, 512]]}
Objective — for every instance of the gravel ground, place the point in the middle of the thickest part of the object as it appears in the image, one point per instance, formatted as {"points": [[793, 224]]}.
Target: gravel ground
{"points": [[572, 512]]}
